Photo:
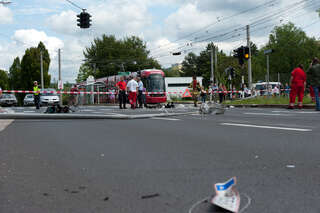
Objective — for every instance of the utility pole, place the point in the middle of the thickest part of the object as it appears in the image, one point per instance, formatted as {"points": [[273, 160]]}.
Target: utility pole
{"points": [[60, 80], [212, 73], [249, 60], [41, 67], [216, 60]]}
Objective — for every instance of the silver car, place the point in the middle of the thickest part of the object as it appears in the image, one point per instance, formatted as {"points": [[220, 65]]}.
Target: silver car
{"points": [[8, 100], [28, 100], [49, 97]]}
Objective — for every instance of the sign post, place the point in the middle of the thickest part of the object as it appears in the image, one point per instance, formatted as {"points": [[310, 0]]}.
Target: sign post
{"points": [[90, 81], [267, 53]]}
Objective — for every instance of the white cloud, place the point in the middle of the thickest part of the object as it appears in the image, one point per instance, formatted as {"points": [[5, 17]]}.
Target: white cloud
{"points": [[32, 37], [6, 16]]}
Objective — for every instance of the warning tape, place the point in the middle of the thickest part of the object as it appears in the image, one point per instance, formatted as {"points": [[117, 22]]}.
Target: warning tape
{"points": [[115, 93]]}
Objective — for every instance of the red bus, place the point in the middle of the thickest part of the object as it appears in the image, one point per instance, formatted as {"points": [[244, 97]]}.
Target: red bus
{"points": [[153, 81]]}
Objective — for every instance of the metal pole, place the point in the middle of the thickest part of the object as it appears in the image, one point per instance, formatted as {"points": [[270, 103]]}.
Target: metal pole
{"points": [[216, 60], [212, 74], [249, 60], [59, 59], [41, 67], [98, 87], [268, 74]]}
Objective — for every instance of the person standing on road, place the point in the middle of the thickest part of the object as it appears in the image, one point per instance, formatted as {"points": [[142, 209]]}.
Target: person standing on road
{"points": [[122, 88], [132, 89], [36, 93], [195, 90], [314, 80], [140, 93], [298, 85], [203, 95]]}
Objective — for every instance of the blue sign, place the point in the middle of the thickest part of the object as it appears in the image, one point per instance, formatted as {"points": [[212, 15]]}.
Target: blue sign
{"points": [[226, 185]]}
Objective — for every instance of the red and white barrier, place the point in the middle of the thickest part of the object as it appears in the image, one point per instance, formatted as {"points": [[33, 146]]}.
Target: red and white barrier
{"points": [[114, 93]]}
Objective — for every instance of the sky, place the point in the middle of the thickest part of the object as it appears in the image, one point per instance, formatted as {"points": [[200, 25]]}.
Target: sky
{"points": [[166, 26]]}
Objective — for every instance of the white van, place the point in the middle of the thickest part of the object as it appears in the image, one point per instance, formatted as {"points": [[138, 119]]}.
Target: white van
{"points": [[261, 88]]}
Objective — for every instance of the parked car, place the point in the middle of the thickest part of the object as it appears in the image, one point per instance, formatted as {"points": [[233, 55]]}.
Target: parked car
{"points": [[28, 100], [49, 97], [8, 100]]}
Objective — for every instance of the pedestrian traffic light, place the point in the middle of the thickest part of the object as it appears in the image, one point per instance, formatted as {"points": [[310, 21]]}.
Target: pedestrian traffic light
{"points": [[84, 20]]}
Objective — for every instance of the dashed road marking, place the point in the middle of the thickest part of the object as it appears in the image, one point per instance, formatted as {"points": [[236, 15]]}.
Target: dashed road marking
{"points": [[265, 114], [266, 127], [167, 119], [29, 111]]}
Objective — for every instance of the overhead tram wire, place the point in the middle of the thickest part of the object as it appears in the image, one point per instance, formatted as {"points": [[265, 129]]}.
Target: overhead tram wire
{"points": [[277, 14], [75, 5], [214, 23]]}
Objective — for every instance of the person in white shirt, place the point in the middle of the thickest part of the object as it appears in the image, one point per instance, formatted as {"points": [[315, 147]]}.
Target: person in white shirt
{"points": [[132, 87], [140, 93]]}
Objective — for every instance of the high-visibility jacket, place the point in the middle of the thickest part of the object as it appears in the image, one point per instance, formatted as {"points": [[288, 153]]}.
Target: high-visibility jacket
{"points": [[36, 90]]}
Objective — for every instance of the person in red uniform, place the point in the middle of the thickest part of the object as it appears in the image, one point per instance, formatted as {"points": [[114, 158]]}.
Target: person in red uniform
{"points": [[298, 85], [122, 88]]}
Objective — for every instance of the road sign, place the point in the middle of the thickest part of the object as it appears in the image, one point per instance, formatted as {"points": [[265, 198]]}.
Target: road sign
{"points": [[60, 84], [90, 80], [227, 196], [186, 94], [123, 73], [269, 51]]}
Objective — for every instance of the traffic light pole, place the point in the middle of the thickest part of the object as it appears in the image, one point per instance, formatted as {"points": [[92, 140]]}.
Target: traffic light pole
{"points": [[249, 60], [212, 74], [268, 73]]}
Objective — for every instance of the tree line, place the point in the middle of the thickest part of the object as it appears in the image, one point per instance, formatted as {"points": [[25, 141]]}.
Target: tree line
{"points": [[291, 47]]}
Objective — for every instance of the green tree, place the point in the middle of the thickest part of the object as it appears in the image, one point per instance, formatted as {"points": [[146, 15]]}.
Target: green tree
{"points": [[4, 80], [173, 71], [107, 56], [15, 74], [30, 67], [84, 72], [292, 47]]}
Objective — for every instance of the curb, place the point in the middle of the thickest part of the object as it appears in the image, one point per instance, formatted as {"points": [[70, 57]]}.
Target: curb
{"points": [[267, 106], [88, 117]]}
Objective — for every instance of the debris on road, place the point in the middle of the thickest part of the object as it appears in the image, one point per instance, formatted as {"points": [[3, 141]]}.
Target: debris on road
{"points": [[227, 197], [291, 166], [106, 199], [150, 196]]}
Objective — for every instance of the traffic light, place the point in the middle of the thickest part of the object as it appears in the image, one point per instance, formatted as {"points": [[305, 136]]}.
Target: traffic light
{"points": [[84, 20], [246, 53], [176, 53]]}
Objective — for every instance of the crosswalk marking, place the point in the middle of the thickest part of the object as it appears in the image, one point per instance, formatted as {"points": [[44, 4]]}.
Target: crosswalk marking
{"points": [[4, 124], [168, 119]]}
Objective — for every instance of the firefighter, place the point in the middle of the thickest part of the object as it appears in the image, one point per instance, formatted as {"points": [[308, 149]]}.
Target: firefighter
{"points": [[36, 93], [298, 85], [195, 85]]}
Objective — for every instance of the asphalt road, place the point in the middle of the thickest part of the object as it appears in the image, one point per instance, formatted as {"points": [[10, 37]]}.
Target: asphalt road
{"points": [[108, 165]]}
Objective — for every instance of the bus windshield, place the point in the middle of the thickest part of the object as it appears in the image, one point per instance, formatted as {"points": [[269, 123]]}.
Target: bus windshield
{"points": [[155, 83]]}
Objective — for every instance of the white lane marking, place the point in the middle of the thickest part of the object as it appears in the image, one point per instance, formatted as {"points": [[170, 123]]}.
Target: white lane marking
{"points": [[266, 127], [114, 114], [29, 111], [97, 112], [303, 112], [168, 119], [4, 124], [291, 166], [266, 114], [87, 110], [105, 109]]}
